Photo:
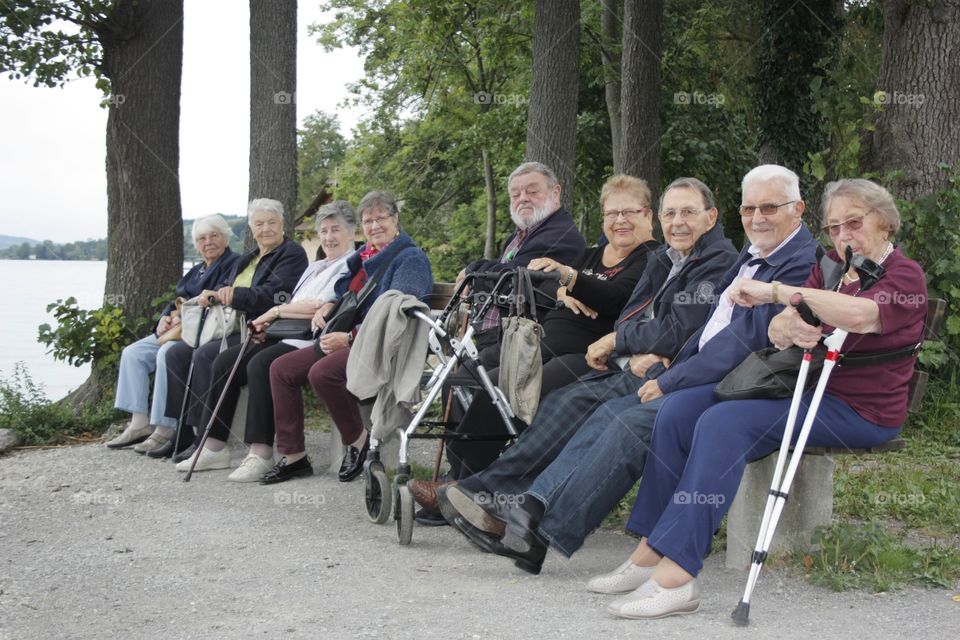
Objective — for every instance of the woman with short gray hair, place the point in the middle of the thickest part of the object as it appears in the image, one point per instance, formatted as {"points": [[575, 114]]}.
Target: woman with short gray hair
{"points": [[211, 237]]}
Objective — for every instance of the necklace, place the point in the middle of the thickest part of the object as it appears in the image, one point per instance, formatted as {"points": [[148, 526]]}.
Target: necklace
{"points": [[851, 279]]}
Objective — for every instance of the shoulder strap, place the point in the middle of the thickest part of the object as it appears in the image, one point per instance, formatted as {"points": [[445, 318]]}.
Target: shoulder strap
{"points": [[373, 280], [868, 359]]}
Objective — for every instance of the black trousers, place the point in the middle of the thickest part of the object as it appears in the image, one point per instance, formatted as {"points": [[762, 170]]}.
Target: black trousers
{"points": [[253, 371], [467, 458]]}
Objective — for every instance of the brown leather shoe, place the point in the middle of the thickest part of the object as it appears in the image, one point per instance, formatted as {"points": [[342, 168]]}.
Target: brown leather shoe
{"points": [[425, 493]]}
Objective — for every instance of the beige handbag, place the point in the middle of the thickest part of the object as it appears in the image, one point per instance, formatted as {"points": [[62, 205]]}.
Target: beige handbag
{"points": [[521, 367]]}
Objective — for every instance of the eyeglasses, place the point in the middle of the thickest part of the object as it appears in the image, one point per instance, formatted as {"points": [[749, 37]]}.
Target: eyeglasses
{"points": [[613, 214], [669, 215], [369, 222], [766, 209], [852, 224]]}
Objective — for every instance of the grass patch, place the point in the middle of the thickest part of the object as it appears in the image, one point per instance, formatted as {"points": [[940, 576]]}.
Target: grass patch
{"points": [[25, 409], [867, 556]]}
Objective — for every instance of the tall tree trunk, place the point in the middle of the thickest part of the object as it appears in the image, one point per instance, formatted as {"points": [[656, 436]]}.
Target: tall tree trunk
{"points": [[610, 53], [920, 77], [142, 56], [273, 110], [490, 243], [642, 48], [552, 112]]}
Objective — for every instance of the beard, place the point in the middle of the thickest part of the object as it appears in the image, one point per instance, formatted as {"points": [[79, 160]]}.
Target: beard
{"points": [[539, 214]]}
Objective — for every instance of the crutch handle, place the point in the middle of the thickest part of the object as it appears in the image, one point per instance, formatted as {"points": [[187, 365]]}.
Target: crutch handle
{"points": [[796, 301]]}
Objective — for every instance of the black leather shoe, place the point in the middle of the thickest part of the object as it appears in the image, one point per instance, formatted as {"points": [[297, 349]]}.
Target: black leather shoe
{"points": [[163, 452], [530, 561], [282, 471], [429, 518], [185, 454], [353, 460], [523, 520]]}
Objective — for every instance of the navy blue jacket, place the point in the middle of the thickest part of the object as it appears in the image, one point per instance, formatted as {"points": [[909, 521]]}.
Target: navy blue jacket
{"points": [[273, 281], [202, 277], [409, 271], [747, 331], [557, 237], [680, 306]]}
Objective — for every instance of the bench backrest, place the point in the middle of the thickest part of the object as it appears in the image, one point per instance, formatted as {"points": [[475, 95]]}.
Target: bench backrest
{"points": [[936, 309]]}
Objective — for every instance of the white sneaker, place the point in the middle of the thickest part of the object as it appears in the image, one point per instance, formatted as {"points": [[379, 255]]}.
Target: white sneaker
{"points": [[207, 460], [131, 435], [623, 579], [251, 469], [651, 600]]}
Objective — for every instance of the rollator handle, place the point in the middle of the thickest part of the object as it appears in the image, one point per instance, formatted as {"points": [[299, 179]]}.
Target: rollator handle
{"points": [[539, 277], [796, 301]]}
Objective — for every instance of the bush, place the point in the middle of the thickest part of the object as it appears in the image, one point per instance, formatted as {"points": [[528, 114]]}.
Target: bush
{"points": [[84, 336], [25, 409]]}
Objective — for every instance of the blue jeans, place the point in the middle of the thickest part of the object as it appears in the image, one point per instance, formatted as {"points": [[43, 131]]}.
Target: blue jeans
{"points": [[137, 361], [698, 453], [596, 468]]}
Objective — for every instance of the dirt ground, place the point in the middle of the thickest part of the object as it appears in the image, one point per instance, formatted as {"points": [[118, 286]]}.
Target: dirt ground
{"points": [[97, 543]]}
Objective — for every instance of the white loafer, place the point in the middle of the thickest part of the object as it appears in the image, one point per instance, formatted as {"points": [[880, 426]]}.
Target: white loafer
{"points": [[651, 600], [623, 579], [131, 435], [154, 442], [251, 469], [207, 460]]}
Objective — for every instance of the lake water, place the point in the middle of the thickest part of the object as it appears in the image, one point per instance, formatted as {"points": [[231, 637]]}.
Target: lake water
{"points": [[30, 285]]}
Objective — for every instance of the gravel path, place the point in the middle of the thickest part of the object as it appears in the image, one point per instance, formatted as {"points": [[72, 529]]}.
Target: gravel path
{"points": [[97, 544]]}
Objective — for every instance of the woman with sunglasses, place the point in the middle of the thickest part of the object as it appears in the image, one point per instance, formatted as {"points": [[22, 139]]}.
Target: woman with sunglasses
{"points": [[700, 447]]}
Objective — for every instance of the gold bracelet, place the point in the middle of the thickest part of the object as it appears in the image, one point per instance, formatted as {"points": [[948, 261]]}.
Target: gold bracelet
{"points": [[776, 292], [278, 311]]}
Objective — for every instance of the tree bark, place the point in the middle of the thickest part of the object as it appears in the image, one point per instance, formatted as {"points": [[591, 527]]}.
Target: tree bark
{"points": [[552, 112], [610, 52], [920, 77], [273, 110], [142, 56], [490, 243], [642, 50]]}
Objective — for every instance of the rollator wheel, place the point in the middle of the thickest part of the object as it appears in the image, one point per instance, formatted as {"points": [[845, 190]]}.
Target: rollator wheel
{"points": [[404, 515], [378, 495]]}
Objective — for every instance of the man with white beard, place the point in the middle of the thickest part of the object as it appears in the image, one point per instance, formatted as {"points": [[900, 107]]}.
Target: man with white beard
{"points": [[544, 230]]}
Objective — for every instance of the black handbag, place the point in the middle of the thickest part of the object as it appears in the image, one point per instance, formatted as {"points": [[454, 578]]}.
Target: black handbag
{"points": [[769, 373], [343, 316], [290, 329]]}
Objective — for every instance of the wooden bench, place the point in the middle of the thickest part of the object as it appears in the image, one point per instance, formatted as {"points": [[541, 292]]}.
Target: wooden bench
{"points": [[811, 497]]}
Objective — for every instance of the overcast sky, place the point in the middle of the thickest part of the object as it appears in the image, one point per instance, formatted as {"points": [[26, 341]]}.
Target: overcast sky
{"points": [[52, 165]]}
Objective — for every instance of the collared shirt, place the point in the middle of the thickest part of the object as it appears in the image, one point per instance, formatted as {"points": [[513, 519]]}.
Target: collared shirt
{"points": [[492, 319], [723, 312]]}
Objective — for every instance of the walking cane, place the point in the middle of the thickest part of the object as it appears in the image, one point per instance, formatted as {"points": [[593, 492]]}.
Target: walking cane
{"points": [[869, 272], [186, 391], [216, 409]]}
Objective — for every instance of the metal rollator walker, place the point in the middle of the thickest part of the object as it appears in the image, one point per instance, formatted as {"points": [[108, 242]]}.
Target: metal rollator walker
{"points": [[449, 351]]}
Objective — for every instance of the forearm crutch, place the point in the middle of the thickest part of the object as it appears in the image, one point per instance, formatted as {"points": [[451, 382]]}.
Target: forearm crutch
{"points": [[186, 390], [223, 394], [779, 491]]}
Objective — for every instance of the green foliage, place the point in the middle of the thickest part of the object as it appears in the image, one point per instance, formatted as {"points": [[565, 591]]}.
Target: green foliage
{"points": [[321, 147], [861, 556], [25, 410], [83, 336], [49, 41], [47, 250], [930, 235]]}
